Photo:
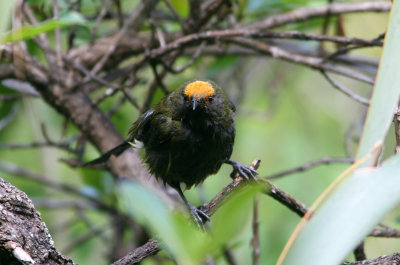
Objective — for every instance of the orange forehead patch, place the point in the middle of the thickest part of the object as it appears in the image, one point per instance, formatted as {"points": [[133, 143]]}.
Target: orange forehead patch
{"points": [[199, 89]]}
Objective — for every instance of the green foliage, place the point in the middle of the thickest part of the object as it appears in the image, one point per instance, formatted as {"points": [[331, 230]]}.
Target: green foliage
{"points": [[287, 116], [6, 10], [369, 193], [231, 218], [27, 32], [348, 216], [387, 89], [182, 7], [179, 236]]}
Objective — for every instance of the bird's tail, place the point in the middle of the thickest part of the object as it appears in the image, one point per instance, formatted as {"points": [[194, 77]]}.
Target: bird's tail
{"points": [[115, 151]]}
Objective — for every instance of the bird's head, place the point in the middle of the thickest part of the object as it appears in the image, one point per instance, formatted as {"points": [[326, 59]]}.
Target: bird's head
{"points": [[199, 94]]}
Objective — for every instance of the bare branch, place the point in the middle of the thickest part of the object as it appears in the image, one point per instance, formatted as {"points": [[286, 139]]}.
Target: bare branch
{"points": [[132, 24], [230, 259], [302, 14], [324, 160], [12, 169], [255, 241], [388, 232], [61, 145], [10, 116], [135, 256], [58, 36], [359, 252], [392, 259], [344, 90]]}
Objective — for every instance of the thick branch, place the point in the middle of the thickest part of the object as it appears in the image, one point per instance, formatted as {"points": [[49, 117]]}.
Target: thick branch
{"points": [[382, 260], [24, 238]]}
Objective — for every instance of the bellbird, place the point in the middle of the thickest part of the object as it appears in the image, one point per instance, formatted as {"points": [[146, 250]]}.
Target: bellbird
{"points": [[187, 136]]}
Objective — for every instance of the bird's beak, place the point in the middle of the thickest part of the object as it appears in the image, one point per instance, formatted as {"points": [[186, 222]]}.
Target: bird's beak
{"points": [[194, 102]]}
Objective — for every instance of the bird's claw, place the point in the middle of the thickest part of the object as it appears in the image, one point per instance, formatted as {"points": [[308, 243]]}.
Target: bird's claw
{"points": [[246, 172], [199, 216]]}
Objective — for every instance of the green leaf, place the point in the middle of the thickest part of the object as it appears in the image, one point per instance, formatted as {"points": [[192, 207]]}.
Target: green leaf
{"points": [[387, 88], [5, 14], [349, 215], [182, 7], [27, 32], [367, 194], [177, 234], [230, 219]]}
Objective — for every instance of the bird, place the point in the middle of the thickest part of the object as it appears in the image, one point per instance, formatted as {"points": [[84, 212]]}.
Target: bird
{"points": [[187, 136]]}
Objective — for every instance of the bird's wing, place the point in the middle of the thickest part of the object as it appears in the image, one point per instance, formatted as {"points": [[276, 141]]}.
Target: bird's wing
{"points": [[162, 128], [136, 130]]}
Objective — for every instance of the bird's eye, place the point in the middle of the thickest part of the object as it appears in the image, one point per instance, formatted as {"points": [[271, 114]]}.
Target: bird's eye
{"points": [[185, 97], [210, 99]]}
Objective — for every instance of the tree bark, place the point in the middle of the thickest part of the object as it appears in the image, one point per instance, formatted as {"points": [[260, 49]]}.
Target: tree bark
{"points": [[24, 238]]}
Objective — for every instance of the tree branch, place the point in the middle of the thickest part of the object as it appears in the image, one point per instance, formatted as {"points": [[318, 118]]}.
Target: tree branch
{"points": [[24, 238], [302, 14]]}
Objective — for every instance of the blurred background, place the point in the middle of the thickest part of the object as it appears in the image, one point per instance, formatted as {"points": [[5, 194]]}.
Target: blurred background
{"points": [[287, 115]]}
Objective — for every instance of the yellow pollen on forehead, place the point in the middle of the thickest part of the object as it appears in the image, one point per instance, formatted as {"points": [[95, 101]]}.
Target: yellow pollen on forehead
{"points": [[199, 89]]}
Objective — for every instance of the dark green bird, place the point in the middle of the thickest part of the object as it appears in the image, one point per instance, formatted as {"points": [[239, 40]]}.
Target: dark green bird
{"points": [[187, 136]]}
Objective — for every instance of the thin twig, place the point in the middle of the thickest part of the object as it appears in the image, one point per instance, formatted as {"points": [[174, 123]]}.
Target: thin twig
{"points": [[85, 237], [313, 62], [97, 22], [230, 259], [11, 97], [137, 255], [56, 204], [344, 90], [231, 33], [58, 37], [120, 14], [175, 15], [303, 14], [158, 77], [321, 161], [286, 199], [132, 24], [61, 145], [116, 106], [255, 241], [44, 41], [195, 11], [10, 116], [188, 64], [397, 128], [50, 182], [359, 252]]}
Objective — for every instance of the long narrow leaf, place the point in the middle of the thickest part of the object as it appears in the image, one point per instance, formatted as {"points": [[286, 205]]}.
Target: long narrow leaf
{"points": [[5, 14], [28, 32], [349, 215], [387, 88], [367, 194]]}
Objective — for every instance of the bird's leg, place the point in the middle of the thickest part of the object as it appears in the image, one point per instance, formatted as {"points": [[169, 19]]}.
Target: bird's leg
{"points": [[242, 170], [199, 216]]}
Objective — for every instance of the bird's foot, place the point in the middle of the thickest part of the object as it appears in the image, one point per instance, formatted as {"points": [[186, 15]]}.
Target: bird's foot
{"points": [[246, 172], [199, 216]]}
